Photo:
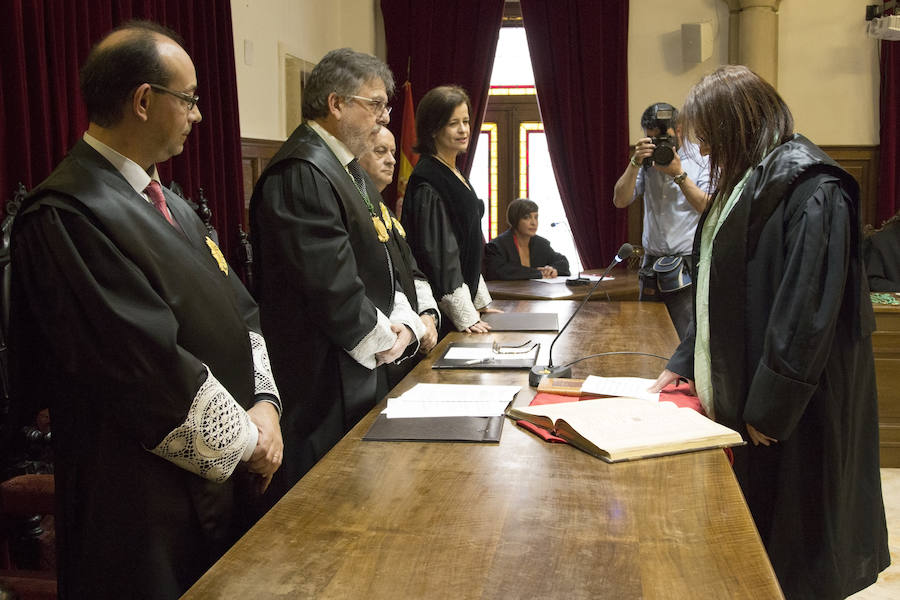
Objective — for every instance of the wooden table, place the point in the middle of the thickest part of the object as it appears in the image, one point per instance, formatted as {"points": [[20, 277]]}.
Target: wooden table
{"points": [[518, 519], [886, 347], [623, 286]]}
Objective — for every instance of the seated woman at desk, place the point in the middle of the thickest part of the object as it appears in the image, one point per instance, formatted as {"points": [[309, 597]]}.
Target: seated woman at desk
{"points": [[518, 252]]}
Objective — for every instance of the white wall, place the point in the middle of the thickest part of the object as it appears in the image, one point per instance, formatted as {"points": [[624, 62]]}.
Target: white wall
{"points": [[827, 67], [306, 29], [828, 71], [656, 72]]}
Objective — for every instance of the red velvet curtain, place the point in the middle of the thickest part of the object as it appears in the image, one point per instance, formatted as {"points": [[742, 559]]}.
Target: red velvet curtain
{"points": [[42, 46], [435, 42], [889, 183], [579, 54]]}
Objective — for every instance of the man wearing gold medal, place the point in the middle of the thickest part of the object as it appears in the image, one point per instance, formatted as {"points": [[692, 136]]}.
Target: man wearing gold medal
{"points": [[337, 297], [126, 318]]}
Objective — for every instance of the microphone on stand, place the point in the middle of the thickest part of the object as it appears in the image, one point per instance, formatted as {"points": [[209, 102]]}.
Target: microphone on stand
{"points": [[538, 372]]}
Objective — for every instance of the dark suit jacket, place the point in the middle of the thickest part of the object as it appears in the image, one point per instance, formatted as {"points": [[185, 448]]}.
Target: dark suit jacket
{"points": [[501, 258]]}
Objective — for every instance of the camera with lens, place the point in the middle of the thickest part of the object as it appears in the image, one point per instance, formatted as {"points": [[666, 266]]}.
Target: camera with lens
{"points": [[664, 119]]}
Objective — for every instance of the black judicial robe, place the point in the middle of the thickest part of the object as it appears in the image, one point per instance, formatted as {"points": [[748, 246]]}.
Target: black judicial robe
{"points": [[790, 324], [321, 274], [442, 217], [501, 258], [115, 318]]}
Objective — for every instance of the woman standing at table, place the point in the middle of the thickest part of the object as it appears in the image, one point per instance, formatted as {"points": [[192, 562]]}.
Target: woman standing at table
{"points": [[519, 252], [781, 349], [442, 214]]}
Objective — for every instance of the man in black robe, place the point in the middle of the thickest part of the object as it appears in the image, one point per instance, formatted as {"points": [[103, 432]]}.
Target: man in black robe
{"points": [[129, 322], [337, 299]]}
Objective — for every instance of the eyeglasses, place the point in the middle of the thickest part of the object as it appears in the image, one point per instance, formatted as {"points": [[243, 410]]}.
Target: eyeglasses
{"points": [[378, 106], [189, 98], [523, 348]]}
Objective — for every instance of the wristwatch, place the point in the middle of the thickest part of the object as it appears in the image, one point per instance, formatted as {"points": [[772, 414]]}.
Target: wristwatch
{"points": [[635, 164], [679, 179]]}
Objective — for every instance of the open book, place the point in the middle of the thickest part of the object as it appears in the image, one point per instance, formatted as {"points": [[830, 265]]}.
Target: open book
{"points": [[618, 429]]}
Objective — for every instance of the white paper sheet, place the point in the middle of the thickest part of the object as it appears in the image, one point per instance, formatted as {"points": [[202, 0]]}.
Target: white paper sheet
{"points": [[448, 400], [630, 387]]}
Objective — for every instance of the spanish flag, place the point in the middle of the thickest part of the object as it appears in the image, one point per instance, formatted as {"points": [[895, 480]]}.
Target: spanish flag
{"points": [[408, 158]]}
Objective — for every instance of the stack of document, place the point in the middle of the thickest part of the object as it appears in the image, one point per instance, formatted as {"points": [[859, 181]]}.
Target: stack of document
{"points": [[449, 400]]}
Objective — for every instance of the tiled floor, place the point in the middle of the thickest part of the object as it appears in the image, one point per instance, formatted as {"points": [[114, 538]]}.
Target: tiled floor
{"points": [[888, 585]]}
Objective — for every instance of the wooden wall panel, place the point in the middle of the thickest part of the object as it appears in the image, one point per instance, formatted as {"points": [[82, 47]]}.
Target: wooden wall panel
{"points": [[255, 155], [862, 163]]}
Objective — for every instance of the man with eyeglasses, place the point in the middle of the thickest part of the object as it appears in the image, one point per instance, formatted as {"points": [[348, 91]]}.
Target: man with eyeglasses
{"points": [[127, 320], [337, 298]]}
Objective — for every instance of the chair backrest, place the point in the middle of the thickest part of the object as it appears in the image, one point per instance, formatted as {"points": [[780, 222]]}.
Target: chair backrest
{"points": [[12, 208], [246, 254]]}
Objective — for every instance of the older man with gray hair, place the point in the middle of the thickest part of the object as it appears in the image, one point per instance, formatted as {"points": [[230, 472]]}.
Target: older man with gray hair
{"points": [[336, 294]]}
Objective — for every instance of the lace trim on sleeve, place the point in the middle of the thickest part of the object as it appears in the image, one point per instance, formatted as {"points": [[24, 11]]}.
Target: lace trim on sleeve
{"points": [[482, 295], [403, 313], [262, 369], [458, 306], [213, 437], [425, 298], [379, 339]]}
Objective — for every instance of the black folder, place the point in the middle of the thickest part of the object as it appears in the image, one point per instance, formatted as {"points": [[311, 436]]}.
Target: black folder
{"points": [[435, 429], [496, 361]]}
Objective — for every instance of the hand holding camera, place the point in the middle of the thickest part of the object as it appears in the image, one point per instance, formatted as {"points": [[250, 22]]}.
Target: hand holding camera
{"points": [[659, 147]]}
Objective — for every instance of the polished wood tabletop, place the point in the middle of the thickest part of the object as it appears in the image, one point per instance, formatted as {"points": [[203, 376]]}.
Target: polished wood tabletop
{"points": [[622, 286], [521, 518]]}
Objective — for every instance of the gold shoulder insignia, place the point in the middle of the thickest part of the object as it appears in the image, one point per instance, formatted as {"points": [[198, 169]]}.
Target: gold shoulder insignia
{"points": [[380, 229], [399, 227], [217, 254], [386, 216]]}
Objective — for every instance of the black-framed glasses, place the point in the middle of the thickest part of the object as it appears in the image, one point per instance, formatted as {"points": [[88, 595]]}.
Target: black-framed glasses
{"points": [[191, 99], [378, 106]]}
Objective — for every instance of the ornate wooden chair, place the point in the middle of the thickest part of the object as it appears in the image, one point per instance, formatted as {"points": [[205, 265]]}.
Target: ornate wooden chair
{"points": [[27, 537]]}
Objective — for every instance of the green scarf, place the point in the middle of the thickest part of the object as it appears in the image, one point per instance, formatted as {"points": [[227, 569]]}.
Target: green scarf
{"points": [[702, 358]]}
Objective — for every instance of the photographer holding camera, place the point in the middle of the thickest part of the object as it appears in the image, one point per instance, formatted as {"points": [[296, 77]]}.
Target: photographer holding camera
{"points": [[667, 173]]}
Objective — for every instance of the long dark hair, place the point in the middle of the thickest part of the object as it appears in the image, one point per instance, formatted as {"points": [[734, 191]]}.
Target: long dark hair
{"points": [[740, 117]]}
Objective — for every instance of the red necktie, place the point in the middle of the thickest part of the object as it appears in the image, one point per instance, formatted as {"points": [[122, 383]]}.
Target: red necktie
{"points": [[154, 192]]}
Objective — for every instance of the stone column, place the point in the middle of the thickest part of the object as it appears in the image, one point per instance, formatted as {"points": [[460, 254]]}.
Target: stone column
{"points": [[753, 36]]}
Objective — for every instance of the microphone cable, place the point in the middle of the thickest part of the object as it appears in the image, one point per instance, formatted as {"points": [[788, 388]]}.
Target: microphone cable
{"points": [[623, 352]]}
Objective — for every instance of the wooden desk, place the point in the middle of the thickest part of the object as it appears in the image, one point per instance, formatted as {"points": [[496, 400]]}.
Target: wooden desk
{"points": [[623, 286], [518, 519], [886, 347]]}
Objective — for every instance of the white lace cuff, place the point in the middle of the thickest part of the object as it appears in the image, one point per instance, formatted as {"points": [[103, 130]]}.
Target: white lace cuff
{"points": [[214, 436], [262, 369], [404, 314], [482, 295], [425, 298], [458, 306], [379, 339]]}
